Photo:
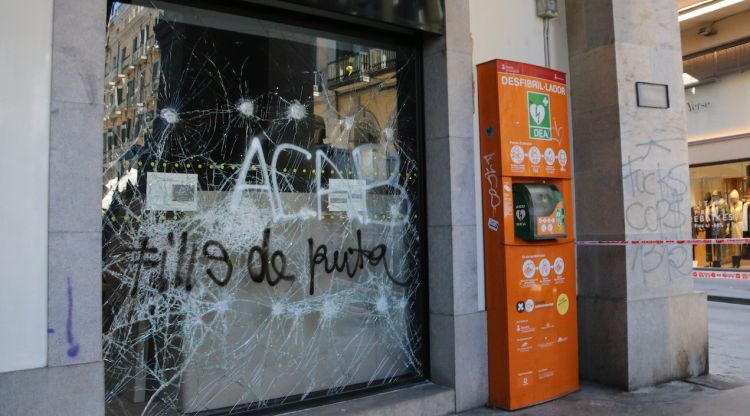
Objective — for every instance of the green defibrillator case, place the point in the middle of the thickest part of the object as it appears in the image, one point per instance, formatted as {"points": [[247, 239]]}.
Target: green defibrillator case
{"points": [[539, 212]]}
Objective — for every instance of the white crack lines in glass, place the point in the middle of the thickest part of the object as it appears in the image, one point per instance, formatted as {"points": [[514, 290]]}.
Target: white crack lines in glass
{"points": [[260, 218]]}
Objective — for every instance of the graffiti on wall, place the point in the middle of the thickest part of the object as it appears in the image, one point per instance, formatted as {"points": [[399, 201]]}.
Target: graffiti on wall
{"points": [[657, 207]]}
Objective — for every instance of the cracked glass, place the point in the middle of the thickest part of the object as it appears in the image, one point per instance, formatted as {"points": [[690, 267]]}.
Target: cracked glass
{"points": [[261, 212]]}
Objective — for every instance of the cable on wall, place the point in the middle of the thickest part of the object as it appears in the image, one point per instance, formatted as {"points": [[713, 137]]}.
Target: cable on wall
{"points": [[545, 34], [546, 9]]}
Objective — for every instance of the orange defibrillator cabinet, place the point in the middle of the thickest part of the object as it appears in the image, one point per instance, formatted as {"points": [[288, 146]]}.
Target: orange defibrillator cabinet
{"points": [[529, 246]]}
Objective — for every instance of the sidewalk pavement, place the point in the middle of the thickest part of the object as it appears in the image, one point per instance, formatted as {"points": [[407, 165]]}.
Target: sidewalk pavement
{"points": [[679, 398], [725, 290], [726, 392]]}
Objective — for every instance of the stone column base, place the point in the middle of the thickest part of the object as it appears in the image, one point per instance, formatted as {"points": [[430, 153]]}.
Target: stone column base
{"points": [[636, 343]]}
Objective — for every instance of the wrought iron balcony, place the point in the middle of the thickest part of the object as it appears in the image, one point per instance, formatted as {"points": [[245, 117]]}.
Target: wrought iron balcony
{"points": [[382, 60], [348, 69], [358, 67]]}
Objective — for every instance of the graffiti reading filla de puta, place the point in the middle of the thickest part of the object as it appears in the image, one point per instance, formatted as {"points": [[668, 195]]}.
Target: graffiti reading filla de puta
{"points": [[263, 263]]}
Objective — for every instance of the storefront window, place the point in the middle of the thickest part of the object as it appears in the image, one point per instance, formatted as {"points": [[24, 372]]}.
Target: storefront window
{"points": [[721, 204], [261, 213]]}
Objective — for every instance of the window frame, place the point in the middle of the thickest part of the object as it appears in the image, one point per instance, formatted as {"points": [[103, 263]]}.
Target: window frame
{"points": [[397, 37]]}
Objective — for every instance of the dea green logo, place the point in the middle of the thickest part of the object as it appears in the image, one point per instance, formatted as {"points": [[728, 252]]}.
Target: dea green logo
{"points": [[539, 116]]}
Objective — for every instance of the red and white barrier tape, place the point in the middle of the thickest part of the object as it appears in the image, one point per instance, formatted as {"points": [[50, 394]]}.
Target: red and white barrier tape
{"points": [[719, 274], [686, 241]]}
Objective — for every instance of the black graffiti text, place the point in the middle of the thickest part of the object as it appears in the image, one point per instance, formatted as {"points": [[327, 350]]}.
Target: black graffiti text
{"points": [[341, 259], [263, 263]]}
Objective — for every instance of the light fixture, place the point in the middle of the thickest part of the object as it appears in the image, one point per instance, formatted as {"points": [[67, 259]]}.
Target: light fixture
{"points": [[704, 7], [688, 79]]}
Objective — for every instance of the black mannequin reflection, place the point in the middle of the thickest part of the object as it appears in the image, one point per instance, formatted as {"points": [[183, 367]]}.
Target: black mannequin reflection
{"points": [[717, 227], [697, 219], [705, 225], [746, 225], [735, 227]]}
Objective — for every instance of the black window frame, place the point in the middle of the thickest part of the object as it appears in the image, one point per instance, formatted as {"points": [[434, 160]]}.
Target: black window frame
{"points": [[391, 35]]}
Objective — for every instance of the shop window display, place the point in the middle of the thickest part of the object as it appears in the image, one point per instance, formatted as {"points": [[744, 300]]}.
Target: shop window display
{"points": [[262, 216], [721, 209]]}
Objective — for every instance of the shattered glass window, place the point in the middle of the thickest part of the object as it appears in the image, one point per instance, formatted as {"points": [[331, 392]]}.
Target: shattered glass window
{"points": [[261, 213]]}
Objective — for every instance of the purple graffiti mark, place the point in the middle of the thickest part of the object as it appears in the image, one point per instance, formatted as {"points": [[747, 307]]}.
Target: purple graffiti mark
{"points": [[73, 350], [50, 330]]}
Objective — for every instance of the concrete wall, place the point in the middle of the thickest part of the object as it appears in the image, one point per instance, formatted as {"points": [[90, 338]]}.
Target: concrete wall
{"points": [[720, 130], [640, 323], [508, 30], [718, 125], [24, 116], [458, 323], [57, 99], [721, 150], [717, 117], [719, 109], [511, 30]]}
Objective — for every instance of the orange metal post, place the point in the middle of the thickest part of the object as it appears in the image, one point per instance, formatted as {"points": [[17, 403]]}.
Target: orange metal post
{"points": [[530, 285]]}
